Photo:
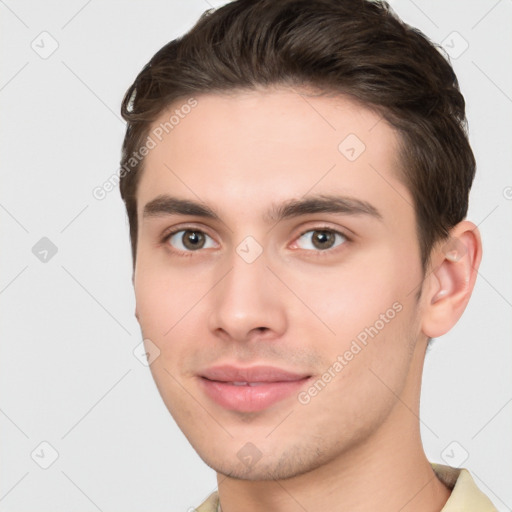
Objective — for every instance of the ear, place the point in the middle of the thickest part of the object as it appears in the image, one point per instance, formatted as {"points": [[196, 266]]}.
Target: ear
{"points": [[448, 286]]}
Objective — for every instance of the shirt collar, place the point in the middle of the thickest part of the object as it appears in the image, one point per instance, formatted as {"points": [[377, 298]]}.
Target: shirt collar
{"points": [[465, 493]]}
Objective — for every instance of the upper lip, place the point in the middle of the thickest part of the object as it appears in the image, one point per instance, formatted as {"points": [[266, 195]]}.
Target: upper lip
{"points": [[229, 373]]}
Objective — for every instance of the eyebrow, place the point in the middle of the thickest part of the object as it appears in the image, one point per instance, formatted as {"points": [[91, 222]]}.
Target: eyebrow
{"points": [[164, 205]]}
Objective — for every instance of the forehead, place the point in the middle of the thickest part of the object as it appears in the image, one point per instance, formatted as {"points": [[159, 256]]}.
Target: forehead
{"points": [[244, 148]]}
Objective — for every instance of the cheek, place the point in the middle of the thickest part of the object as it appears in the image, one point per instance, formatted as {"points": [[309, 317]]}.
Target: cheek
{"points": [[164, 306], [164, 294], [171, 307], [162, 299], [366, 364], [349, 298], [154, 303], [372, 315]]}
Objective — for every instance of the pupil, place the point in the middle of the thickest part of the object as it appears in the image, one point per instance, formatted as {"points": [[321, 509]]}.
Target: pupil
{"points": [[193, 239], [323, 239]]}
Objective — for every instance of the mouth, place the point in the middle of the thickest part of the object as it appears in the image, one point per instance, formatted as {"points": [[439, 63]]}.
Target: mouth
{"points": [[250, 389]]}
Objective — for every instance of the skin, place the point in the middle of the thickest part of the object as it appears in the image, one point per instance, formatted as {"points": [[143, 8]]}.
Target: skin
{"points": [[355, 445]]}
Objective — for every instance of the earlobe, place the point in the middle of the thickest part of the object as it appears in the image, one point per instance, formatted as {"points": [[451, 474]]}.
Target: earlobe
{"points": [[449, 285]]}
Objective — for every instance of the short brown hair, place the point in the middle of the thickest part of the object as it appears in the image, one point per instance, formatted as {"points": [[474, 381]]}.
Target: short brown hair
{"points": [[357, 48]]}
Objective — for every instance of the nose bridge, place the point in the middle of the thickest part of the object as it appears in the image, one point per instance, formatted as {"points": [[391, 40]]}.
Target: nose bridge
{"points": [[245, 300]]}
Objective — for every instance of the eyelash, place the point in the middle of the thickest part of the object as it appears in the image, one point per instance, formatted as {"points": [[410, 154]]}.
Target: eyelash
{"points": [[319, 253]]}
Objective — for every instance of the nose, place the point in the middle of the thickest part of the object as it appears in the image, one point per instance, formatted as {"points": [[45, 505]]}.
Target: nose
{"points": [[248, 303]]}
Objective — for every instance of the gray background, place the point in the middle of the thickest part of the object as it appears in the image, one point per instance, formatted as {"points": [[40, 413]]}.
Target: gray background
{"points": [[68, 374]]}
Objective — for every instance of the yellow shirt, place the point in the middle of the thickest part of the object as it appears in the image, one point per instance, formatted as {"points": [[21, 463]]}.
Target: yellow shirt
{"points": [[465, 496]]}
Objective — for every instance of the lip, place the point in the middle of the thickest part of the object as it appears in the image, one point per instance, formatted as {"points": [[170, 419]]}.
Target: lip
{"points": [[249, 389]]}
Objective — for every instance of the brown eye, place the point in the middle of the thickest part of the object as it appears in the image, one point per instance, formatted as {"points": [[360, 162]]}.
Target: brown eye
{"points": [[321, 239], [190, 240]]}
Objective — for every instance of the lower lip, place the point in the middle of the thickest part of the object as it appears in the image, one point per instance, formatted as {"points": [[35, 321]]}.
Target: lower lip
{"points": [[250, 398]]}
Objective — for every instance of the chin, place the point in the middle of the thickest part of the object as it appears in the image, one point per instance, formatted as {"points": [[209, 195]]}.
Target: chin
{"points": [[284, 466]]}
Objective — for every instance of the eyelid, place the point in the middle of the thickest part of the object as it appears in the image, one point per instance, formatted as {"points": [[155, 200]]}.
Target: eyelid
{"points": [[168, 233], [320, 252], [339, 231]]}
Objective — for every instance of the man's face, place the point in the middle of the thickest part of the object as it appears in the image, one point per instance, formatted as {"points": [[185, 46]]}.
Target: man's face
{"points": [[323, 291]]}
